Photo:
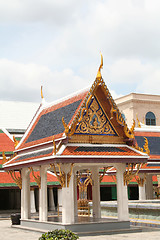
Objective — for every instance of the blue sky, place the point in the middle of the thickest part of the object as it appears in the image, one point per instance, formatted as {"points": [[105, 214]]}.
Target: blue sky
{"points": [[57, 44]]}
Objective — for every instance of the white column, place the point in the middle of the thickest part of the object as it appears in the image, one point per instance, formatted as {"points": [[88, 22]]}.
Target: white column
{"points": [[68, 198], [25, 194], [122, 194], [75, 195], [96, 193], [149, 187], [43, 208], [32, 200], [51, 199], [142, 188]]}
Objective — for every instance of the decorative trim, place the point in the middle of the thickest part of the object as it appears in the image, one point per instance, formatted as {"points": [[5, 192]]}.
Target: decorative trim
{"points": [[15, 142], [69, 175], [17, 180], [145, 148], [4, 160], [69, 130], [61, 176], [56, 147], [129, 132], [36, 178], [139, 124], [141, 180], [103, 173], [129, 174]]}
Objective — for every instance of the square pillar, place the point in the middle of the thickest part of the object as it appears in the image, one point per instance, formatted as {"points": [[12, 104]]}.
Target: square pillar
{"points": [[142, 187], [149, 187], [68, 197], [96, 192], [32, 200], [43, 206], [25, 194], [122, 194]]}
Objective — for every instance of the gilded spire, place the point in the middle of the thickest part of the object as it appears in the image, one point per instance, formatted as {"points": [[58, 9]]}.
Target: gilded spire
{"points": [[41, 92], [99, 76]]}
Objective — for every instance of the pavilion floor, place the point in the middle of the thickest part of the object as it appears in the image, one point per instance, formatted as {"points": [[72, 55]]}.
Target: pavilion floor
{"points": [[82, 224]]}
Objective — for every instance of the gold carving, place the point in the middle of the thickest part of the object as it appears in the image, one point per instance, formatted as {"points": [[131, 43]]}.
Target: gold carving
{"points": [[102, 174], [140, 180], [42, 92], [36, 178], [15, 142], [56, 147], [145, 148], [4, 160], [17, 180], [83, 185], [130, 172], [139, 124], [7, 159], [99, 76], [61, 176], [129, 132], [95, 121], [69, 130], [69, 175]]}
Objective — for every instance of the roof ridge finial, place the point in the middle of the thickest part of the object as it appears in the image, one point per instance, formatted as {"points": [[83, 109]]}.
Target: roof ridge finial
{"points": [[99, 76], [42, 92]]}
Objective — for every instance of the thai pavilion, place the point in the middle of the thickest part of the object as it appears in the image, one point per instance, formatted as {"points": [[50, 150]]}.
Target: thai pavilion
{"points": [[81, 133]]}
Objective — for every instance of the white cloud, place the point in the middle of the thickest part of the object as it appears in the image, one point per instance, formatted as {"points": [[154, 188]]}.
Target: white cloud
{"points": [[57, 44], [22, 81]]}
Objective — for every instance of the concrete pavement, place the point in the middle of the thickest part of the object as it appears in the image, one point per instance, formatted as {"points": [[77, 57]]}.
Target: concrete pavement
{"points": [[7, 233]]}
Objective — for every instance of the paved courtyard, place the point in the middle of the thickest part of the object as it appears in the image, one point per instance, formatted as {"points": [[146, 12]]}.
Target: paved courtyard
{"points": [[7, 233]]}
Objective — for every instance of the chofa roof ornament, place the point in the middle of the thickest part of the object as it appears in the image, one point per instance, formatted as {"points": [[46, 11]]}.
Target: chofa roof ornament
{"points": [[99, 76], [42, 97]]}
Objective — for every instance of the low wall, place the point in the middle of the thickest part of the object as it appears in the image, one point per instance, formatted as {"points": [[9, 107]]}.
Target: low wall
{"points": [[147, 209]]}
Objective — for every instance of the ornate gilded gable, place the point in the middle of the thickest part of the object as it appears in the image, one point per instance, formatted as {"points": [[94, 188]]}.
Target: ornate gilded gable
{"points": [[95, 121]]}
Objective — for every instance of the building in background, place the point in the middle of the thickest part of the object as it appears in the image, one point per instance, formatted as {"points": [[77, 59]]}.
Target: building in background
{"points": [[141, 107]]}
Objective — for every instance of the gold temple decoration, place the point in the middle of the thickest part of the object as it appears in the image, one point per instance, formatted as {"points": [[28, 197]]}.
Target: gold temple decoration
{"points": [[70, 129], [4, 160], [140, 180], [56, 147], [36, 178], [129, 132], [139, 124], [145, 148], [15, 141], [95, 121], [61, 176], [69, 175], [99, 76], [102, 174], [131, 172], [17, 180], [42, 92], [83, 184]]}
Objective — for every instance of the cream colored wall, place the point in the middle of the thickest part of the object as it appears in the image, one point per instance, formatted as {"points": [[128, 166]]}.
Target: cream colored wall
{"points": [[139, 104]]}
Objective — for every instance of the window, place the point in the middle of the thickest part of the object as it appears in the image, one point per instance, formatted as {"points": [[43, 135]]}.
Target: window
{"points": [[150, 119]]}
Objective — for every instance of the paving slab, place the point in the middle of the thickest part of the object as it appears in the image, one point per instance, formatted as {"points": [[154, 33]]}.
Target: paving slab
{"points": [[7, 232]]}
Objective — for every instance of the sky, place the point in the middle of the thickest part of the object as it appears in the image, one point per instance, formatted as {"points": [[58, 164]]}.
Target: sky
{"points": [[57, 44]]}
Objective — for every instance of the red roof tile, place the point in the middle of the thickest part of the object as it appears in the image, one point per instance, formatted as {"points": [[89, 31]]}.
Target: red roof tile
{"points": [[6, 144], [72, 150]]}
